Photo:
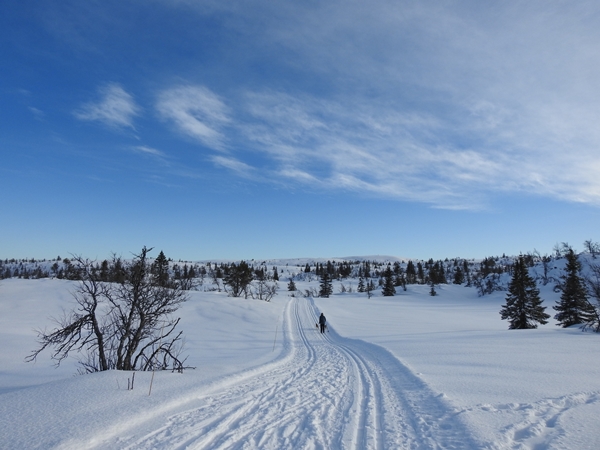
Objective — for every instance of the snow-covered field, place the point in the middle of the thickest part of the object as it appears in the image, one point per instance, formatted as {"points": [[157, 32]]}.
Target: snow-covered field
{"points": [[410, 371]]}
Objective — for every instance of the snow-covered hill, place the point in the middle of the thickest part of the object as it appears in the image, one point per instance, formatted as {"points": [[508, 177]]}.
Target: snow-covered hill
{"points": [[409, 371]]}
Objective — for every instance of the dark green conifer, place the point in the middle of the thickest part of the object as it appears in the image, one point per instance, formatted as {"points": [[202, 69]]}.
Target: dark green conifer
{"points": [[326, 287], [361, 284], [467, 272], [411, 273], [420, 273], [523, 308], [160, 270], [432, 291], [291, 285], [573, 307], [388, 285], [459, 276]]}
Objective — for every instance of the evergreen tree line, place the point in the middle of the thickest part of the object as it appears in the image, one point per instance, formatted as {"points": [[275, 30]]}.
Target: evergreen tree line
{"points": [[486, 275], [579, 302], [457, 271], [256, 280], [114, 270]]}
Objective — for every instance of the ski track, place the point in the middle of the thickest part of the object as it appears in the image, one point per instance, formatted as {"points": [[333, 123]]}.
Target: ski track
{"points": [[324, 392]]}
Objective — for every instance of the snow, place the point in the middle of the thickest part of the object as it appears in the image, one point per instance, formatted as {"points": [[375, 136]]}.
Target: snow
{"points": [[409, 371]]}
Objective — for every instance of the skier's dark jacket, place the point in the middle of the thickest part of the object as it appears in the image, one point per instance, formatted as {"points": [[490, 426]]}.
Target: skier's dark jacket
{"points": [[322, 319]]}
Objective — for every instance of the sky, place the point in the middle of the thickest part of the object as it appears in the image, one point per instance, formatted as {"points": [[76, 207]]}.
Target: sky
{"points": [[256, 130]]}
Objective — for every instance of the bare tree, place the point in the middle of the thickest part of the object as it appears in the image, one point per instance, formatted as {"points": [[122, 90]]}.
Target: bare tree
{"points": [[561, 250], [343, 288], [592, 247], [263, 290], [311, 292], [214, 274], [124, 326], [545, 260], [487, 284], [82, 328]]}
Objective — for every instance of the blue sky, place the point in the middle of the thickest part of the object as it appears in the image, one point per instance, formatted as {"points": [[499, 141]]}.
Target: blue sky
{"points": [[264, 129]]}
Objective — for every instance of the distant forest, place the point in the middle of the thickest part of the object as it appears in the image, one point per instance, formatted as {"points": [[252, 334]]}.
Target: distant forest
{"points": [[487, 275], [576, 276]]}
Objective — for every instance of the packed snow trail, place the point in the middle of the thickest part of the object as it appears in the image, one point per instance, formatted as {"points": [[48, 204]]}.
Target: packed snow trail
{"points": [[325, 392]]}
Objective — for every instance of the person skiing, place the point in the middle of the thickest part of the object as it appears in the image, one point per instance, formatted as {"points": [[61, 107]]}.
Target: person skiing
{"points": [[322, 322]]}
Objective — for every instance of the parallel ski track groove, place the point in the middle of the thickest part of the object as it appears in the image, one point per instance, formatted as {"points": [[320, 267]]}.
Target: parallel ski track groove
{"points": [[366, 408], [218, 438], [324, 392], [370, 404]]}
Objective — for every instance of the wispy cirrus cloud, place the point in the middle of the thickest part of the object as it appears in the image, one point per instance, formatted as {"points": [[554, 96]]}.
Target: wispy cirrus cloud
{"points": [[115, 108], [149, 151], [153, 153], [196, 112], [239, 167], [447, 104], [371, 148], [379, 150]]}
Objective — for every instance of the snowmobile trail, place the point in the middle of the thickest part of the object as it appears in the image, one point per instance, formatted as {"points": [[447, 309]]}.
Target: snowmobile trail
{"points": [[325, 392]]}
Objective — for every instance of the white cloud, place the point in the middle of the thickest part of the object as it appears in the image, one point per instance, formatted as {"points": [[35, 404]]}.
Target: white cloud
{"points": [[448, 103], [365, 146], [448, 163], [115, 108], [235, 165], [370, 149], [39, 114], [295, 174], [149, 151], [197, 112]]}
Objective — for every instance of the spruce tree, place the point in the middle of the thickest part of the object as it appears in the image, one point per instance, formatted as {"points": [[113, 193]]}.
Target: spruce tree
{"points": [[104, 270], [367, 269], [459, 276], [441, 273], [573, 307], [361, 284], [523, 308], [420, 273], [467, 272], [432, 291], [160, 270], [326, 287], [411, 273], [291, 285], [388, 285]]}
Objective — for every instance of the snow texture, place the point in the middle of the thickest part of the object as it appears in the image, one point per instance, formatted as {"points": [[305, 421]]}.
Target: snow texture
{"points": [[404, 372]]}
